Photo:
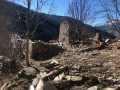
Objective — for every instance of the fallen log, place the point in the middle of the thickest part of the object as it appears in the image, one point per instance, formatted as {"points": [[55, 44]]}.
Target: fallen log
{"points": [[3, 87], [51, 65], [74, 78], [102, 45], [15, 83], [59, 77], [67, 80], [42, 77], [56, 72]]}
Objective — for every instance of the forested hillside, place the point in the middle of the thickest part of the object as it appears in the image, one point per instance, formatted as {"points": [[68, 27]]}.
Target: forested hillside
{"points": [[49, 30]]}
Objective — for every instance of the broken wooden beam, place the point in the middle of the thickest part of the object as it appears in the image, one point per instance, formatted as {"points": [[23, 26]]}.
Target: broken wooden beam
{"points": [[57, 71], [3, 87]]}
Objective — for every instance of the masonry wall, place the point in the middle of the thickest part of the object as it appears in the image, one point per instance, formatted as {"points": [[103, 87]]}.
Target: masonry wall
{"points": [[43, 51], [64, 32], [68, 33]]}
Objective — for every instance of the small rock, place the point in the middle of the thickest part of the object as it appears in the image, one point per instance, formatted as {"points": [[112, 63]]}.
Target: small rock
{"points": [[93, 88], [113, 55], [76, 67], [32, 87], [108, 64], [84, 58], [73, 78], [2, 58], [109, 89], [118, 88], [68, 77], [27, 71], [30, 71], [76, 78], [109, 78], [54, 62]]}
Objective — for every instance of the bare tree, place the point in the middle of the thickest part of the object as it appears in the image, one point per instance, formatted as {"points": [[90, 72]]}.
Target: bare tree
{"points": [[81, 11], [29, 16], [112, 12]]}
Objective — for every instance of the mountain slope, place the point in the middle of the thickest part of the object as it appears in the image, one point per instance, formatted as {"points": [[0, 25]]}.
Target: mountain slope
{"points": [[108, 27], [92, 31], [46, 31]]}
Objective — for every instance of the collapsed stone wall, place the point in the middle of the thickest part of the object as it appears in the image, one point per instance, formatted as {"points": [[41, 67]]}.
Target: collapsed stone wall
{"points": [[43, 51]]}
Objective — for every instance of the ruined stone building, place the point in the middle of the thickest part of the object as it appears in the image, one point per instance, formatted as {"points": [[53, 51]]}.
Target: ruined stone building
{"points": [[43, 51], [67, 33], [72, 32], [64, 32]]}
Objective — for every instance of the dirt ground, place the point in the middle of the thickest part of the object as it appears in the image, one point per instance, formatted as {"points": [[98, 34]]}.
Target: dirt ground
{"points": [[97, 67]]}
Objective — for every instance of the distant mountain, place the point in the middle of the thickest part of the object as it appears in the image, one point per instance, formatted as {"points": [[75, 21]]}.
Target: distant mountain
{"points": [[92, 31], [108, 27], [46, 31]]}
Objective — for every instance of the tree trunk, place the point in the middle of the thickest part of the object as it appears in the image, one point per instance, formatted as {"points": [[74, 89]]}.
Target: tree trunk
{"points": [[13, 64], [27, 51]]}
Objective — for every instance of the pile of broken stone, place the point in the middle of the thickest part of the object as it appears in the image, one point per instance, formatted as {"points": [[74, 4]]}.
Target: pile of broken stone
{"points": [[57, 75]]}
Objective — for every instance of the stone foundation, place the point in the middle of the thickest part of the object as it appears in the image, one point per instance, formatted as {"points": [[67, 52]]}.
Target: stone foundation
{"points": [[43, 51]]}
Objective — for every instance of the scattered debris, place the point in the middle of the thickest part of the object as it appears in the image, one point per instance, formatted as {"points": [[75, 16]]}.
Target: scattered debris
{"points": [[98, 38], [49, 86], [93, 88], [42, 51], [27, 71], [109, 89], [2, 88], [86, 67]]}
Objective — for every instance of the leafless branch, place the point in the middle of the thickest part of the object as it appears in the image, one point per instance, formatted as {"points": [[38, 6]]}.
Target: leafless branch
{"points": [[110, 15]]}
